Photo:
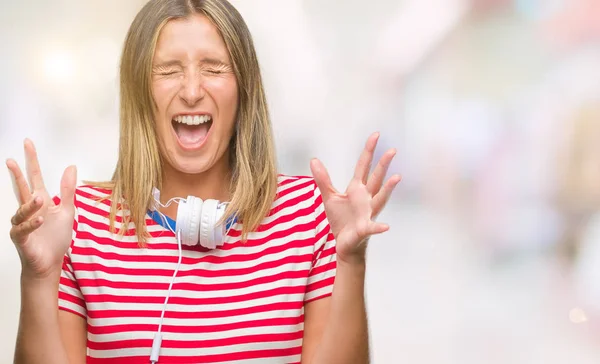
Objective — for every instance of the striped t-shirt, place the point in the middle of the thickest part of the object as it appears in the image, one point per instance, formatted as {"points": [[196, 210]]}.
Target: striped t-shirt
{"points": [[239, 303]]}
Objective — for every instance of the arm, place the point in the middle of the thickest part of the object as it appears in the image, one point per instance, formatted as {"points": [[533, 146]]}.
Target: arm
{"points": [[337, 332], [73, 330], [46, 335], [42, 231], [336, 329], [38, 337]]}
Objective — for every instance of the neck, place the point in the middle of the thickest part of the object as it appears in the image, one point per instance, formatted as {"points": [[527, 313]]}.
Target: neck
{"points": [[212, 184]]}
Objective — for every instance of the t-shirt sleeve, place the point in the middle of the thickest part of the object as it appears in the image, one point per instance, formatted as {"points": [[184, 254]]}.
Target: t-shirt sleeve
{"points": [[70, 298], [322, 273]]}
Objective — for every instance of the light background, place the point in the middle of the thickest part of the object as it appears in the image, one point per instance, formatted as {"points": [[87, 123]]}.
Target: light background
{"points": [[494, 251]]}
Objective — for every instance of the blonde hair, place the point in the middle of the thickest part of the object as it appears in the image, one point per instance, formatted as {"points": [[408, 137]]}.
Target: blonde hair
{"points": [[252, 153], [579, 175]]}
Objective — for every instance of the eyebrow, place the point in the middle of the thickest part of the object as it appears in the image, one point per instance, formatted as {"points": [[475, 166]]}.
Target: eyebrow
{"points": [[209, 61]]}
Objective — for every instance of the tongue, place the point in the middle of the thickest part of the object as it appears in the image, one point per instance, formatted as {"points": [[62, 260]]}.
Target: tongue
{"points": [[191, 134]]}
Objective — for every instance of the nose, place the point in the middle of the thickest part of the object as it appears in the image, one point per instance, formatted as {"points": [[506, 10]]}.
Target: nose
{"points": [[192, 90]]}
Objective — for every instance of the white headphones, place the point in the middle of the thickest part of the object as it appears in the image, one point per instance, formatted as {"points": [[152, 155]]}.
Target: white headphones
{"points": [[197, 220], [196, 223]]}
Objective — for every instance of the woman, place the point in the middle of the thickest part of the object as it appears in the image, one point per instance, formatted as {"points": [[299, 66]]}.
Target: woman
{"points": [[134, 285]]}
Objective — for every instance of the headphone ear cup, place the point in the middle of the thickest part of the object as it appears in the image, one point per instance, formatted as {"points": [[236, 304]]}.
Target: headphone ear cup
{"points": [[220, 230], [207, 224], [188, 220], [156, 197], [195, 216], [182, 223]]}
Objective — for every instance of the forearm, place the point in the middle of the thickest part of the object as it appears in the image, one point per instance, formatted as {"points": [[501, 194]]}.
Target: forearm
{"points": [[38, 338], [346, 337]]}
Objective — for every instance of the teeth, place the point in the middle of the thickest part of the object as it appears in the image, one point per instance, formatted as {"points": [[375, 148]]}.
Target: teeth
{"points": [[193, 120]]}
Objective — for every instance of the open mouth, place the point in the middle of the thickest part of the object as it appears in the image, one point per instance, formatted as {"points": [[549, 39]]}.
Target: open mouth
{"points": [[191, 130]]}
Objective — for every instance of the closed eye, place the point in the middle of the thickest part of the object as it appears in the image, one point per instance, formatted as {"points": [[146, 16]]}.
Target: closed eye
{"points": [[164, 71], [217, 69]]}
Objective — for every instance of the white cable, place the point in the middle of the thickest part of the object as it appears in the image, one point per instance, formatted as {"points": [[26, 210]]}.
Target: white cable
{"points": [[157, 341]]}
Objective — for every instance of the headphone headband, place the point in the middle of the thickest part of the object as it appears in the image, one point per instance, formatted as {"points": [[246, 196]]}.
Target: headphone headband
{"points": [[197, 220]]}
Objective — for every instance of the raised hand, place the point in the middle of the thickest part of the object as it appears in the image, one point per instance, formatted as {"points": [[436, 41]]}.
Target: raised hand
{"points": [[41, 230], [352, 214]]}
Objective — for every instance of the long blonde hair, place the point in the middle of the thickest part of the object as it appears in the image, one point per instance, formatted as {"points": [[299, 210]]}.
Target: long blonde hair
{"points": [[252, 153], [579, 173]]}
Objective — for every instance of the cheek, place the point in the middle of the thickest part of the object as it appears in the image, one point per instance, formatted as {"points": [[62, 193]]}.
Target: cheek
{"points": [[163, 92], [225, 92]]}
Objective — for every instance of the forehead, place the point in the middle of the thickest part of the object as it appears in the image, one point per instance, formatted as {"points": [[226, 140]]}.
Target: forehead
{"points": [[190, 38]]}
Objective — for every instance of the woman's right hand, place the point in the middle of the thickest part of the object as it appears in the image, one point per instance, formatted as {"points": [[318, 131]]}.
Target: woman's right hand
{"points": [[41, 230]]}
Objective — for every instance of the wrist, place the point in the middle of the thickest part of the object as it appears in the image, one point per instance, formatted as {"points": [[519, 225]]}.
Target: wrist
{"points": [[356, 264], [350, 278], [34, 279], [354, 259]]}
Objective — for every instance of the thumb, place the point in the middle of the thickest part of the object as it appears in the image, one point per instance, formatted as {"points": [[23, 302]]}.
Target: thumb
{"points": [[67, 186], [375, 228], [322, 179]]}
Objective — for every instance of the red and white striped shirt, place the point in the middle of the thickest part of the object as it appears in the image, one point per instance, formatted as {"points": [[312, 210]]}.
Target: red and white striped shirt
{"points": [[240, 303]]}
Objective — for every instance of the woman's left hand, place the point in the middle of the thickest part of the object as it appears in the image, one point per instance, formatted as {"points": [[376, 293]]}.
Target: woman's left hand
{"points": [[352, 214]]}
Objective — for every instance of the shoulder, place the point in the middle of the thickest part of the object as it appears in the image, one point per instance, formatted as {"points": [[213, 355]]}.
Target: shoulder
{"points": [[296, 192], [92, 208], [283, 179], [88, 195], [91, 202], [288, 184]]}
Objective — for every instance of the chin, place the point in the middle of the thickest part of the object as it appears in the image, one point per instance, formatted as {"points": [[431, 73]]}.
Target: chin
{"points": [[195, 163], [193, 168], [190, 164]]}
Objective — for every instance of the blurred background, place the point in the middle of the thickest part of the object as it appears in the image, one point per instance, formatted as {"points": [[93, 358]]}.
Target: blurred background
{"points": [[494, 250]]}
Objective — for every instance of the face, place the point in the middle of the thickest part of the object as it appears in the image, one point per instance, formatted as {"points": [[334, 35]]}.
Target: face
{"points": [[196, 92]]}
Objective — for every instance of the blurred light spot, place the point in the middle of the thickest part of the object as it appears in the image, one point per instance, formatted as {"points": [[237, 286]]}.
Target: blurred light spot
{"points": [[101, 59], [59, 67], [538, 9], [577, 316]]}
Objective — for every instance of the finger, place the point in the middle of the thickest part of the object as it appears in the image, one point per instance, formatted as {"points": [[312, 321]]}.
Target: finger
{"points": [[20, 185], [382, 197], [375, 228], [322, 179], [19, 233], [27, 210], [68, 183], [34, 173], [376, 181], [363, 166]]}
